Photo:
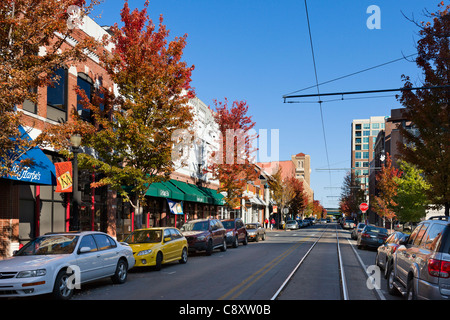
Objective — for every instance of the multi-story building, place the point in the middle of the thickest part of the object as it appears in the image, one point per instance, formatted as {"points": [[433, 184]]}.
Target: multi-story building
{"points": [[364, 134], [30, 207]]}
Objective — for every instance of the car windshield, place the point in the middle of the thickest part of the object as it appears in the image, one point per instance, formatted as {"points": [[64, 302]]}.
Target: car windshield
{"points": [[228, 224], [375, 229], [290, 221], [361, 225], [144, 236], [195, 226], [46, 245], [250, 226]]}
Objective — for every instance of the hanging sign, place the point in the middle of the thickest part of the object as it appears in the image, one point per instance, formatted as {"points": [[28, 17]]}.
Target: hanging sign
{"points": [[175, 207], [63, 176]]}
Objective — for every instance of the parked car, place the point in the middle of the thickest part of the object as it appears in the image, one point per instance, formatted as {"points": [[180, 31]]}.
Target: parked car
{"points": [[371, 236], [255, 231], [236, 232], [420, 266], [205, 235], [59, 263], [157, 246], [357, 231], [348, 224], [291, 225], [386, 251], [300, 223]]}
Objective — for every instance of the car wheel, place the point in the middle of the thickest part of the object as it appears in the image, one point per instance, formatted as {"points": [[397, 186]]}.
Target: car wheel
{"points": [[224, 246], [159, 260], [245, 240], [209, 248], [264, 237], [236, 242], [184, 256], [410, 290], [61, 289], [121, 272], [257, 238], [390, 281], [377, 260]]}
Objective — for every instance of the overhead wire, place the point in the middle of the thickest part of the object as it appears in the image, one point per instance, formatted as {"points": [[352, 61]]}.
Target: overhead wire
{"points": [[317, 85]]}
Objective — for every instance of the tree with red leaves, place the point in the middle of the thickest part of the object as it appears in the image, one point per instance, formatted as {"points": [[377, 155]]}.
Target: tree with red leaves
{"points": [[427, 141], [233, 163]]}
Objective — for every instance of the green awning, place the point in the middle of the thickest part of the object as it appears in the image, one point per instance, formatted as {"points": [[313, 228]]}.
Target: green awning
{"points": [[176, 193], [218, 198], [158, 189], [191, 192]]}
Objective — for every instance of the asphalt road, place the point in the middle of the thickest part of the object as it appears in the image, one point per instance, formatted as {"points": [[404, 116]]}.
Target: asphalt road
{"points": [[256, 272]]}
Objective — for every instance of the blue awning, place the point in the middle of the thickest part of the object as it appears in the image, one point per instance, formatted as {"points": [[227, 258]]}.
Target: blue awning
{"points": [[42, 171]]}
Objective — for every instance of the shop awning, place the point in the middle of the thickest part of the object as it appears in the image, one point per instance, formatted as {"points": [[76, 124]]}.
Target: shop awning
{"points": [[158, 189], [42, 172], [191, 192], [218, 198]]}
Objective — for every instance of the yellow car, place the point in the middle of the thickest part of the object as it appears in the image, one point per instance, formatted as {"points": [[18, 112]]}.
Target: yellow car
{"points": [[156, 246]]}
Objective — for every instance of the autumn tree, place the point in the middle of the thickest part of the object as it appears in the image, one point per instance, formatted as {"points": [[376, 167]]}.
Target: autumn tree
{"points": [[299, 200], [233, 163], [387, 185], [32, 34], [427, 142], [352, 195], [131, 132]]}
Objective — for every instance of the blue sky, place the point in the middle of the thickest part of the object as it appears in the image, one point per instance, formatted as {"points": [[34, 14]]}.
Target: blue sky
{"points": [[259, 50]]}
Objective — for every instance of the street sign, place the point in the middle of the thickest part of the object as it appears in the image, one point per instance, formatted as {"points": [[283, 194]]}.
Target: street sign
{"points": [[364, 207]]}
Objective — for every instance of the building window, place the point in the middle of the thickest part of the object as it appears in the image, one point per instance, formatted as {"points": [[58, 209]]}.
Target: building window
{"points": [[366, 133], [375, 126], [357, 126], [358, 140], [357, 164], [57, 91], [358, 147], [365, 147], [366, 140], [366, 126], [84, 83], [374, 140], [358, 134], [375, 132], [357, 155], [365, 155], [365, 164]]}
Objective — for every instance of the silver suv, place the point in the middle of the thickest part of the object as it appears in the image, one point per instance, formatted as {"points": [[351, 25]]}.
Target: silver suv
{"points": [[421, 265]]}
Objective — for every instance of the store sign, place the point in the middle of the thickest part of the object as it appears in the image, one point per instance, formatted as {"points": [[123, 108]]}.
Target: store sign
{"points": [[63, 176]]}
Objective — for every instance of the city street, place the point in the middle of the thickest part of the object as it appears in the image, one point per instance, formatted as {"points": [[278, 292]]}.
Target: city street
{"points": [[256, 272]]}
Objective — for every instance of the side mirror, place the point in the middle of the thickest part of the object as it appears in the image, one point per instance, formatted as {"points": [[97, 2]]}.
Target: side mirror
{"points": [[84, 250], [167, 239]]}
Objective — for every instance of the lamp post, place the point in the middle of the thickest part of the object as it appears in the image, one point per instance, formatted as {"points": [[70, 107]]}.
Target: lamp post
{"points": [[76, 142]]}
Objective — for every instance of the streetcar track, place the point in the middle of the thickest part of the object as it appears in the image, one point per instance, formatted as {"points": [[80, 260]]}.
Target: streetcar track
{"points": [[343, 282]]}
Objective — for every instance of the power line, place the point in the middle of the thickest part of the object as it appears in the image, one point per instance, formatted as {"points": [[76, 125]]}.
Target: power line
{"points": [[361, 92], [354, 73], [317, 85]]}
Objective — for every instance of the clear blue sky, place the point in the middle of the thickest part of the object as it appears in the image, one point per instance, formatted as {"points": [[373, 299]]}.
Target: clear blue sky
{"points": [[259, 50]]}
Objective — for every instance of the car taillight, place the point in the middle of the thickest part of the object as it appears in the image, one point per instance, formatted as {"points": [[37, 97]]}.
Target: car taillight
{"points": [[394, 248], [365, 235], [439, 268]]}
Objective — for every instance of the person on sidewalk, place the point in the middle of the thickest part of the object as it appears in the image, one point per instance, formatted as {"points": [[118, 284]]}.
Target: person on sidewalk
{"points": [[272, 223]]}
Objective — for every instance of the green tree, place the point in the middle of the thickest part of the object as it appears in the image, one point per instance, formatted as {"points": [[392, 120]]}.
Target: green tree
{"points": [[411, 195]]}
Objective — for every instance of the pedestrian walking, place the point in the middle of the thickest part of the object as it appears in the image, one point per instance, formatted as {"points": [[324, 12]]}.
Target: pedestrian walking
{"points": [[266, 223], [272, 223]]}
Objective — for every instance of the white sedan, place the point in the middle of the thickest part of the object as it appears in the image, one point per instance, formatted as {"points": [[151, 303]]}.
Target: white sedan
{"points": [[60, 263]]}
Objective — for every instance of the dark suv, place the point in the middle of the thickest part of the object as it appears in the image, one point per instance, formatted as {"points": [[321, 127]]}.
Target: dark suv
{"points": [[421, 265], [205, 235], [236, 232]]}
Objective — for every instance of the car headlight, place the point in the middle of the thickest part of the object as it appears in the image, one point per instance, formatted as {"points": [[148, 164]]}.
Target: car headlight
{"points": [[251, 233], [229, 233], [144, 252], [201, 238], [32, 273]]}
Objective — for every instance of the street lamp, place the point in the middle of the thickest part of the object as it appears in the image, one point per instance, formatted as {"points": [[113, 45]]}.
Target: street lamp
{"points": [[76, 142]]}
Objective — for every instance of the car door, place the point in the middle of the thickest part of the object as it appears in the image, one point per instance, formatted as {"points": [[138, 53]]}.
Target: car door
{"points": [[107, 255], [88, 259], [177, 239], [168, 245]]}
